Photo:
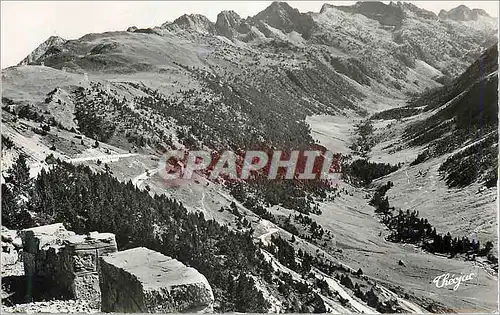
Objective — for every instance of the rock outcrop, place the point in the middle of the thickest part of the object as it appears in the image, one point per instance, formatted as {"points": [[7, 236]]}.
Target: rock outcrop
{"points": [[65, 260], [142, 280]]}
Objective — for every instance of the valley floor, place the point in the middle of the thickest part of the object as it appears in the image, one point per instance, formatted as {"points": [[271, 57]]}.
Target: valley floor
{"points": [[361, 235]]}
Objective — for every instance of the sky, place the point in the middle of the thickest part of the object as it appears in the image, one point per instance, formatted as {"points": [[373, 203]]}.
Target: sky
{"points": [[27, 24]]}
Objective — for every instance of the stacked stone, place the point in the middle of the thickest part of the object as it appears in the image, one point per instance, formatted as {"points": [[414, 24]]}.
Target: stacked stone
{"points": [[66, 261]]}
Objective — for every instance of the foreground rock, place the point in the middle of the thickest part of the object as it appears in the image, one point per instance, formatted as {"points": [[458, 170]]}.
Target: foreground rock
{"points": [[65, 261], [142, 280], [11, 257], [52, 307]]}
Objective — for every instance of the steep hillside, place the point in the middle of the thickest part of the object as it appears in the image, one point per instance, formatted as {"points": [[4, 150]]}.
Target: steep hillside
{"points": [[462, 113]]}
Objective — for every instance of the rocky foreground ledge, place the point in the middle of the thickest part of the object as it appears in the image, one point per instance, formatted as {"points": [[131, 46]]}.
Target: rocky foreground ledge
{"points": [[63, 272], [140, 280]]}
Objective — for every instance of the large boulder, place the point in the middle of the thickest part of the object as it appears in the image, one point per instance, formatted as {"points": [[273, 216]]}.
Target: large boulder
{"points": [[66, 262], [145, 281]]}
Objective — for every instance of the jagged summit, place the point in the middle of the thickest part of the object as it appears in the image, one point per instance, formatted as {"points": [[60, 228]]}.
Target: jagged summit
{"points": [[278, 22], [426, 14], [462, 13], [197, 22], [278, 13], [52, 43], [282, 16], [228, 23]]}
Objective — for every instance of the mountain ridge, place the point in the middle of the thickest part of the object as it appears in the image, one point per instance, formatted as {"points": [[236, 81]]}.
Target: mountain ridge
{"points": [[393, 14]]}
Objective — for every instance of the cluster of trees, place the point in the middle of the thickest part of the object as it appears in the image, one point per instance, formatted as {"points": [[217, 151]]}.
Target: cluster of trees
{"points": [[315, 229], [85, 202], [240, 191], [15, 193], [380, 201], [421, 157], [296, 290], [286, 255], [408, 227], [284, 252], [7, 142], [102, 115], [287, 193], [363, 172], [364, 141], [30, 112], [352, 68], [397, 113], [90, 112], [477, 162]]}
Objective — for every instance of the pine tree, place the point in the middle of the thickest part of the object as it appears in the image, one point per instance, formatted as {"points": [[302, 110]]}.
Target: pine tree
{"points": [[15, 196]]}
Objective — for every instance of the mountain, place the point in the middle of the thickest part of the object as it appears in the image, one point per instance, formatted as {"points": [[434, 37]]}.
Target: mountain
{"points": [[463, 13], [228, 24], [48, 47], [393, 88], [282, 16], [195, 22]]}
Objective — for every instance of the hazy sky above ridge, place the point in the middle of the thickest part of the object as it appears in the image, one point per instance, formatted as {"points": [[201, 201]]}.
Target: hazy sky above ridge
{"points": [[26, 24]]}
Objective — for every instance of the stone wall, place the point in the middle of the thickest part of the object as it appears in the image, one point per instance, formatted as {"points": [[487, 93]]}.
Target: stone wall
{"points": [[65, 261], [89, 268], [142, 280]]}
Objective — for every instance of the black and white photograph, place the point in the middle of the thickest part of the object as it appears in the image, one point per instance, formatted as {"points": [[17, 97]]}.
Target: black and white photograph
{"points": [[249, 157]]}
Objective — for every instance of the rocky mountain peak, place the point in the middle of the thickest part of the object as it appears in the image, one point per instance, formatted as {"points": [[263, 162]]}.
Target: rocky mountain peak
{"points": [[419, 12], [325, 7], [227, 23], [282, 16], [278, 12], [53, 42], [195, 22], [462, 13]]}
